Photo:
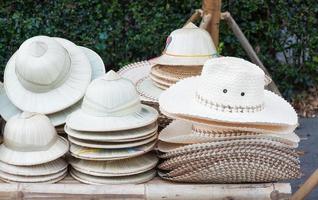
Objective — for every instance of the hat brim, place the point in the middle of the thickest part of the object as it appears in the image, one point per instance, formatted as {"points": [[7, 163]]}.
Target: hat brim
{"points": [[71, 91], [180, 132], [136, 71], [81, 121], [24, 158], [165, 59], [146, 88], [179, 100]]}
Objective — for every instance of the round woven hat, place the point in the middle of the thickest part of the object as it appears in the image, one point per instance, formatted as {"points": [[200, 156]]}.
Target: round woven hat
{"points": [[115, 136], [189, 45], [146, 88], [86, 153], [229, 90], [31, 139], [111, 103], [122, 167], [46, 75], [165, 147], [52, 167]]}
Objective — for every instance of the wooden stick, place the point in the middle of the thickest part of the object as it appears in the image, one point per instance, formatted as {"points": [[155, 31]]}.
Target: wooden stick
{"points": [[248, 48], [195, 16], [206, 19], [307, 187]]}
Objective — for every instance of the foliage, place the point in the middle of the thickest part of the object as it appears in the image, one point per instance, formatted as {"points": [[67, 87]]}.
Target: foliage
{"points": [[127, 31]]}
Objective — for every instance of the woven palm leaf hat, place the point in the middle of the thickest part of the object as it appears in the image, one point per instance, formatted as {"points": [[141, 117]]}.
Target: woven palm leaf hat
{"points": [[8, 109]]}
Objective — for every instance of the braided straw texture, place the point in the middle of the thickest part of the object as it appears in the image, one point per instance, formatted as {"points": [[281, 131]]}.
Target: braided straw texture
{"points": [[175, 73]]}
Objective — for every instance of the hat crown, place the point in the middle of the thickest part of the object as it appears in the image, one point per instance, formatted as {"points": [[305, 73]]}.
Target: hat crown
{"points": [[29, 132], [190, 41], [42, 64], [233, 84], [110, 94]]}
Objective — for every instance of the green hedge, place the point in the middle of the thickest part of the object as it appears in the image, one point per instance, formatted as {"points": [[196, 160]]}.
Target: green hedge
{"points": [[127, 31]]}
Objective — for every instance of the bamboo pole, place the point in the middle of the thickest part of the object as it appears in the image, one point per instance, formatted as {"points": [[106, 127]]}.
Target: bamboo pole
{"points": [[213, 7], [307, 187]]}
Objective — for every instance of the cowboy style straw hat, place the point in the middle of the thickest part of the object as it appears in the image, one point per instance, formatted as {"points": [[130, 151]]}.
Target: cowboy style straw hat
{"points": [[111, 103], [46, 75], [31, 139], [229, 90], [189, 45]]}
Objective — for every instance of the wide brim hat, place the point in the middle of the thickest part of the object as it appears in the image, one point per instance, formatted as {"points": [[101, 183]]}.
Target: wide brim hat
{"points": [[26, 158], [165, 147], [54, 100], [124, 167], [81, 121], [147, 89], [115, 136], [181, 132], [179, 102]]}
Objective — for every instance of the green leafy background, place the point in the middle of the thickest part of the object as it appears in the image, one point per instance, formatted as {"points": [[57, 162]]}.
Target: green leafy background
{"points": [[127, 31]]}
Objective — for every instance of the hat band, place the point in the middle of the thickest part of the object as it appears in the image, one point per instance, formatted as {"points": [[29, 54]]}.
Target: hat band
{"points": [[22, 147], [98, 110], [228, 108], [192, 55]]}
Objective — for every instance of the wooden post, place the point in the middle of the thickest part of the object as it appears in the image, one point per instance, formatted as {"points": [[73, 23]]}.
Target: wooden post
{"points": [[307, 187], [213, 7]]}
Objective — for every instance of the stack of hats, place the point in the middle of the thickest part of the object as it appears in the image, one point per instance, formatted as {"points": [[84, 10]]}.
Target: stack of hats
{"points": [[31, 151], [185, 52], [112, 134], [228, 128], [48, 75]]}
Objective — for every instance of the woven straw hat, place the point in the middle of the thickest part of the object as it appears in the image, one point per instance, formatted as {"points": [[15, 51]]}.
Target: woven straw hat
{"points": [[46, 75], [147, 89], [31, 139], [97, 180], [111, 103], [229, 90], [189, 45], [115, 136], [186, 133], [165, 147], [86, 153], [8, 109], [123, 167], [48, 168]]}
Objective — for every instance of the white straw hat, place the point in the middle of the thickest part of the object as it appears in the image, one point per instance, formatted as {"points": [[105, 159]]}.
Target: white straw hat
{"points": [[189, 45], [31, 139], [147, 89], [229, 90], [115, 136], [122, 167], [46, 75], [111, 103]]}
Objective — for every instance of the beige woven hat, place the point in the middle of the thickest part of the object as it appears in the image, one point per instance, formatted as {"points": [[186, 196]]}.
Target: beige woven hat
{"points": [[86, 153], [186, 133], [189, 45], [97, 180], [115, 136], [111, 103], [229, 90], [165, 147], [52, 167], [114, 168], [147, 89], [46, 75], [31, 139]]}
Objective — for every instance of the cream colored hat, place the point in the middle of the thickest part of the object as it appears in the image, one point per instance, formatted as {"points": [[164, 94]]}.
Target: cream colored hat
{"points": [[189, 45], [31, 139], [229, 90], [147, 89], [111, 103]]}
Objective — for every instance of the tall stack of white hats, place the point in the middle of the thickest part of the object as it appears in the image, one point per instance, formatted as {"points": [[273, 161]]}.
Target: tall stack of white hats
{"points": [[228, 128], [31, 151], [185, 52], [48, 75], [112, 134]]}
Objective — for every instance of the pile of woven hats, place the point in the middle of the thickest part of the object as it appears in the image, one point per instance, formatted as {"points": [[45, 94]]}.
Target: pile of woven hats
{"points": [[31, 151], [112, 134], [228, 128], [185, 52], [48, 75]]}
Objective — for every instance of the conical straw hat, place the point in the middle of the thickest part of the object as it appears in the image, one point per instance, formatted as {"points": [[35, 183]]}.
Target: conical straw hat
{"points": [[122, 167], [86, 153], [31, 139], [111, 103], [115, 136], [189, 45], [229, 90], [46, 75], [52, 167], [96, 180]]}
